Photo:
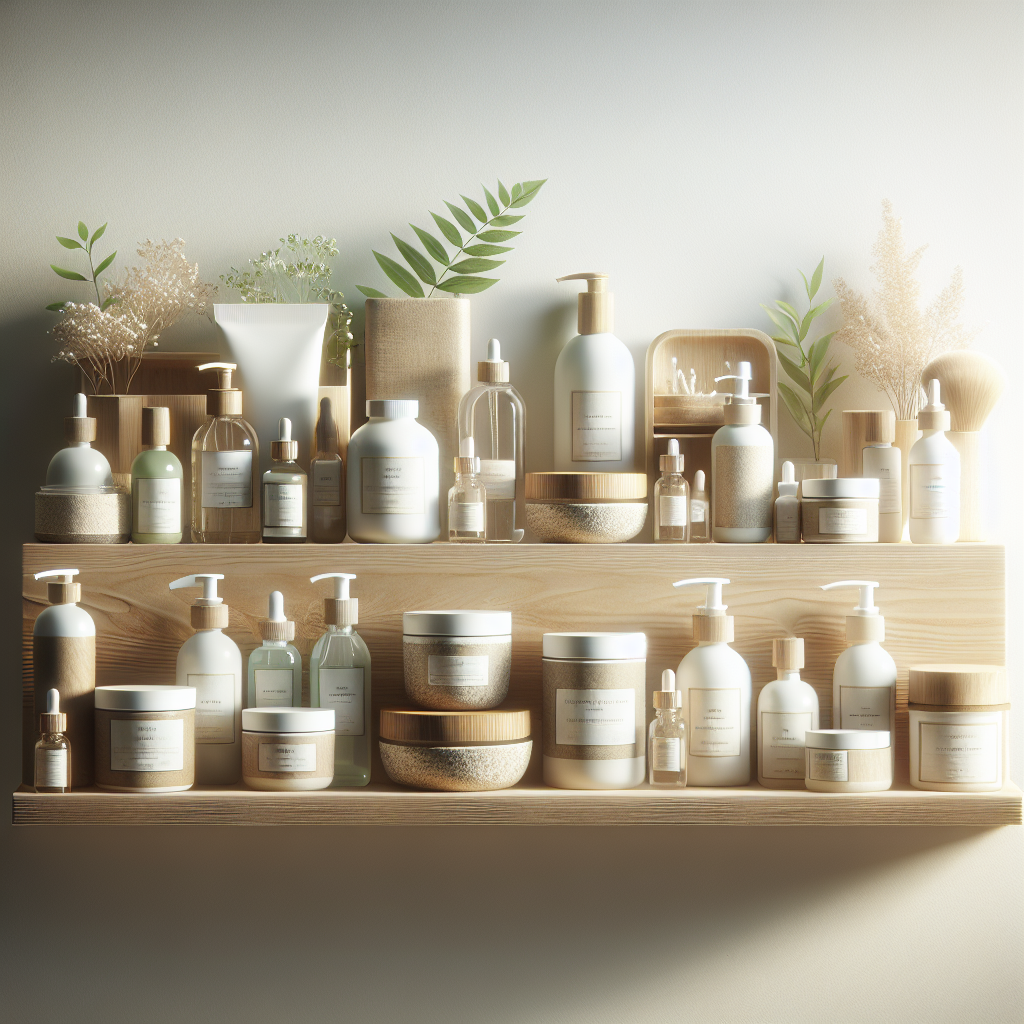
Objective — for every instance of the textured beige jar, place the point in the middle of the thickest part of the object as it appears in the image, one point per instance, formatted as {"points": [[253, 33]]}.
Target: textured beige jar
{"points": [[275, 737], [847, 761], [586, 508], [843, 511]]}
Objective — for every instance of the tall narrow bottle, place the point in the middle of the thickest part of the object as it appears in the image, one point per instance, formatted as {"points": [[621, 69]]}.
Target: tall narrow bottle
{"points": [[284, 491], [156, 483], [326, 481], [275, 668]]}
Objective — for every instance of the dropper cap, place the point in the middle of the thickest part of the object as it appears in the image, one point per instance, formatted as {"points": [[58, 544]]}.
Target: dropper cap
{"points": [[465, 462], [223, 400], [710, 623], [63, 591], [492, 370], [668, 696], [326, 428], [340, 610], [156, 426], [208, 611], [275, 626], [53, 720], [596, 304], [673, 461], [788, 485], [284, 449], [864, 625], [788, 653], [80, 426], [699, 481], [934, 416]]}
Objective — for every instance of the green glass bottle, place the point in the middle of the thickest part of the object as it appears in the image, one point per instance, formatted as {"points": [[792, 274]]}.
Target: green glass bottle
{"points": [[156, 483], [275, 668]]}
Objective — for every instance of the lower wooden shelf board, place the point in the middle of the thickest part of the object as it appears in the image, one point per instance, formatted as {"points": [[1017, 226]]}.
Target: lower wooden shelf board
{"points": [[523, 805]]}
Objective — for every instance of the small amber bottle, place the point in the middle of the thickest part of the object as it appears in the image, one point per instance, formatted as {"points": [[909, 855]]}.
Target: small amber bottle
{"points": [[53, 751]]}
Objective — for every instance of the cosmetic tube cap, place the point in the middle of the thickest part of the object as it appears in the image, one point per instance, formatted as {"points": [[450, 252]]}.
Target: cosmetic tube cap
{"points": [[673, 461], [934, 416], [80, 426], [595, 312], [53, 720], [340, 610], [275, 626], [156, 426], [64, 591], [223, 400], [668, 697], [284, 449], [492, 370]]}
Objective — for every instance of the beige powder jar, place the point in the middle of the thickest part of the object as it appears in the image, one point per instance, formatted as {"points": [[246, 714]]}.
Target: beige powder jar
{"points": [[843, 511], [288, 749], [586, 508]]}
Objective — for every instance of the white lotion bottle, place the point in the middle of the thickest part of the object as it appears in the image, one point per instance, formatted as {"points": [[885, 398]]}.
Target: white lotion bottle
{"points": [[715, 685], [212, 663], [787, 508], [934, 466], [595, 383], [742, 468], [864, 678], [786, 708]]}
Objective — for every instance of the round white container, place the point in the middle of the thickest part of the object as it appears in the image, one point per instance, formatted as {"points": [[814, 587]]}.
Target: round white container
{"points": [[594, 709], [393, 477], [847, 760], [288, 749], [843, 511]]}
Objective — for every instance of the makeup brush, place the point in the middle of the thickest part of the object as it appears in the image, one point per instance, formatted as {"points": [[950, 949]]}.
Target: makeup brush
{"points": [[971, 385]]}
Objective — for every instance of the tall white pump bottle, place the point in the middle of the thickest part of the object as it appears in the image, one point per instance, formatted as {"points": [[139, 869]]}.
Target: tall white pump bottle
{"points": [[595, 384], [212, 663], [715, 684]]}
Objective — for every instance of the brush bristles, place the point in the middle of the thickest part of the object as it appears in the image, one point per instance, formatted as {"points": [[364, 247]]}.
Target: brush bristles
{"points": [[970, 386]]}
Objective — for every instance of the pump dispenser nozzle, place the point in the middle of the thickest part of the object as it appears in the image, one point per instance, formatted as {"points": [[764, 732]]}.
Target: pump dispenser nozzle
{"points": [[492, 370], [223, 400], [668, 696], [208, 611], [863, 624], [788, 485], [710, 623], [340, 610], [741, 408], [594, 314], [62, 591], [713, 601]]}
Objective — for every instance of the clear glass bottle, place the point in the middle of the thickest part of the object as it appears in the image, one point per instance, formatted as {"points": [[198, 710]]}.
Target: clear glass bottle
{"points": [[327, 481], [339, 678], [285, 489], [666, 737], [225, 469], [493, 415], [52, 772], [672, 499], [467, 499], [700, 515], [156, 483], [275, 668]]}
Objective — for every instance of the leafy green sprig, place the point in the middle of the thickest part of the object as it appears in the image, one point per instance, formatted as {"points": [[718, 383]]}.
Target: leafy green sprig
{"points": [[473, 254], [810, 368], [85, 243]]}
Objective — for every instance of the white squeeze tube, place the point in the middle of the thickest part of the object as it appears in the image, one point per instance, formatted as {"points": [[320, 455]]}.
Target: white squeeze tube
{"points": [[278, 348]]}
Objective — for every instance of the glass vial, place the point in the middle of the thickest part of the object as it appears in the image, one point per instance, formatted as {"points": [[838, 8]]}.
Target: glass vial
{"points": [[672, 499], [700, 515], [327, 481], [53, 751], [467, 499], [666, 737], [156, 483], [284, 491], [275, 668]]}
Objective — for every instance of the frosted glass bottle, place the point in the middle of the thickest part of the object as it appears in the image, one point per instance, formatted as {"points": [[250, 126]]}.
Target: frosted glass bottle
{"points": [[275, 668], [156, 483], [786, 708], [284, 491]]}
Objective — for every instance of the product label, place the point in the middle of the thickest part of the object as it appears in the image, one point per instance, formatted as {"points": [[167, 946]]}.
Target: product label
{"points": [[392, 485], [744, 481], [596, 426], [929, 492], [342, 690], [51, 769], [466, 517], [672, 510], [498, 477], [273, 687], [325, 479], [843, 521], [600, 718], [958, 753], [227, 479], [715, 726], [282, 505], [666, 754], [864, 707], [159, 506], [147, 746], [215, 707], [787, 521], [450, 670], [287, 757], [782, 743], [829, 766], [890, 498], [697, 511]]}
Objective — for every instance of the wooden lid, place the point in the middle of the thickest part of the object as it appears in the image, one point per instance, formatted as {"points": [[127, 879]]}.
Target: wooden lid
{"points": [[715, 629], [342, 611], [962, 685], [53, 723], [79, 428], [63, 593], [284, 451], [742, 415], [865, 629], [876, 426], [586, 486], [788, 653], [209, 616], [156, 426], [223, 403], [492, 371], [407, 725], [271, 629]]}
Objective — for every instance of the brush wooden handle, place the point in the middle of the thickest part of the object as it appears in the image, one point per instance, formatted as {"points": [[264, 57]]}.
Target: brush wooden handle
{"points": [[966, 442]]}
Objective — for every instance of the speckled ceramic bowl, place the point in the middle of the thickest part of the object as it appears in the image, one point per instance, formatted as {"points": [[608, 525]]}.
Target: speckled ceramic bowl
{"points": [[586, 523], [457, 769]]}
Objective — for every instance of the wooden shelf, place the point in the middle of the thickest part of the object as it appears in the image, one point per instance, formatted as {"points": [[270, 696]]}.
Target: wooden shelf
{"points": [[390, 805]]}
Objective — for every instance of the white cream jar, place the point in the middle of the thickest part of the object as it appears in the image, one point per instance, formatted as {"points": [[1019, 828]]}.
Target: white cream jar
{"points": [[288, 749], [847, 760], [843, 511]]}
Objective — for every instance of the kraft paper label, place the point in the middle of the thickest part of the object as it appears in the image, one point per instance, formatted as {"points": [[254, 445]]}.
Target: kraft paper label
{"points": [[227, 479], [147, 746], [392, 485], [714, 722], [743, 487], [782, 743], [596, 426], [273, 687], [342, 690], [159, 506], [215, 707]]}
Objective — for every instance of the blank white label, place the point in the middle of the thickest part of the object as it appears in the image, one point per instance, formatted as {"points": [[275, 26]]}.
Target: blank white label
{"points": [[273, 687], [342, 690], [890, 498], [147, 746], [697, 511], [782, 743], [282, 505], [227, 479], [596, 426], [665, 754], [326, 481], [715, 722], [392, 485], [287, 757], [159, 506], [672, 510], [929, 492], [450, 670], [466, 517], [958, 753], [864, 707], [598, 718], [830, 766], [843, 521], [215, 707], [51, 769]]}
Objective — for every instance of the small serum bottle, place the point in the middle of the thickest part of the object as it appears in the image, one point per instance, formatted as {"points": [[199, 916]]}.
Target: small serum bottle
{"points": [[666, 738], [700, 517], [53, 751], [275, 668], [672, 499], [467, 499], [284, 491], [787, 508]]}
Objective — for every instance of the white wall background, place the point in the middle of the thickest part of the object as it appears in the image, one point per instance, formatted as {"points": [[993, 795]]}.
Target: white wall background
{"points": [[700, 153]]}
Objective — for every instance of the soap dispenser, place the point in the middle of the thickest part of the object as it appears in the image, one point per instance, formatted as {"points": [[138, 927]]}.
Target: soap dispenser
{"points": [[742, 467], [715, 684], [212, 663], [225, 468], [595, 381], [666, 737], [275, 668], [786, 708], [284, 491], [339, 678], [787, 508], [934, 466], [672, 499], [64, 659], [864, 678]]}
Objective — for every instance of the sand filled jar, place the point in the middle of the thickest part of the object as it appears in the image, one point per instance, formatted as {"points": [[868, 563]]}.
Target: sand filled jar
{"points": [[586, 508], [288, 749]]}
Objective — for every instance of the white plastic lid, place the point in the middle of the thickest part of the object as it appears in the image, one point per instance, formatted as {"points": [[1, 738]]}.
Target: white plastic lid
{"points": [[145, 697], [596, 646], [457, 623], [843, 487], [288, 720], [393, 408], [846, 739]]}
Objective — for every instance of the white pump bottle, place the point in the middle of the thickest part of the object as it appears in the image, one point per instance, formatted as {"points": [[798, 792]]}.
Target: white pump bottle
{"points": [[212, 663], [716, 689], [934, 467], [864, 679]]}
